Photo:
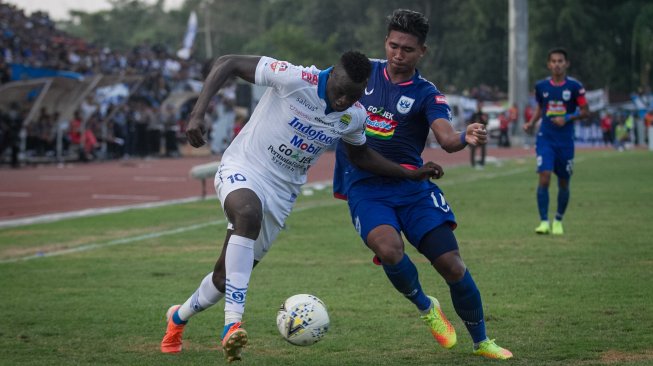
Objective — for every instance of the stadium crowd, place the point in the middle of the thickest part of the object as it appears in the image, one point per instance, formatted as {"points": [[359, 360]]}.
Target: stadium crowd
{"points": [[138, 126]]}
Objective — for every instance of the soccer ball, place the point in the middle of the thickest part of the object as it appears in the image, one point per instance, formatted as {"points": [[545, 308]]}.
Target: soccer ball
{"points": [[303, 319]]}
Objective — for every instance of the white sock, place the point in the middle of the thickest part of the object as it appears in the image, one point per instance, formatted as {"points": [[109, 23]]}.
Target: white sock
{"points": [[204, 297], [239, 260]]}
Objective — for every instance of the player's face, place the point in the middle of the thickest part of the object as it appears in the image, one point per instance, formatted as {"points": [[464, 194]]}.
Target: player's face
{"points": [[557, 64], [403, 51], [342, 91]]}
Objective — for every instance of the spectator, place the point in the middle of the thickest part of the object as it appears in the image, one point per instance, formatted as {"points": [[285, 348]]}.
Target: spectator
{"points": [[622, 136], [82, 137], [504, 126], [606, 129], [171, 127], [478, 117]]}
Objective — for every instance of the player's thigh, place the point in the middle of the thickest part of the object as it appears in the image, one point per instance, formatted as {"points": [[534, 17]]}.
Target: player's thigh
{"points": [[564, 162], [425, 212], [545, 156], [279, 201]]}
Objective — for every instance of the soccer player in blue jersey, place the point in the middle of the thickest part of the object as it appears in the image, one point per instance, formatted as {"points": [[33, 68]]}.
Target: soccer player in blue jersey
{"points": [[560, 101], [402, 108]]}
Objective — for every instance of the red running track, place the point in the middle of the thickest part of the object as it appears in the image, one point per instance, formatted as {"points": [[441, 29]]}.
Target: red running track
{"points": [[49, 189]]}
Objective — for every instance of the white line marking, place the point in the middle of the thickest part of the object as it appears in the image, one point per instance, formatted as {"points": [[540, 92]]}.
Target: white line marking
{"points": [[160, 179], [15, 194], [133, 239], [129, 240], [65, 177], [90, 212], [124, 197], [92, 246]]}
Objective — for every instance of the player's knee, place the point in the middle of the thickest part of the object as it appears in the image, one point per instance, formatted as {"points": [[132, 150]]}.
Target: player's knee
{"points": [[246, 220], [386, 243], [390, 255], [450, 266]]}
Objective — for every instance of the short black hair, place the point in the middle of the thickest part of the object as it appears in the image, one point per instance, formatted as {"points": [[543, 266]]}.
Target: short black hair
{"points": [[409, 21], [356, 65], [559, 50]]}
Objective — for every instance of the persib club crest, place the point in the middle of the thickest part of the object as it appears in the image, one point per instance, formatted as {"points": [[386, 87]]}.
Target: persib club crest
{"points": [[566, 95], [405, 104], [345, 120]]}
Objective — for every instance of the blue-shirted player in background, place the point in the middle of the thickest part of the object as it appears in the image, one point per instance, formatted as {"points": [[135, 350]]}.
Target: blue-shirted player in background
{"points": [[560, 101], [402, 108]]}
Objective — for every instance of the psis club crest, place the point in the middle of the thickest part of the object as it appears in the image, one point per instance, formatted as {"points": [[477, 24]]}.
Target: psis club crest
{"points": [[405, 104]]}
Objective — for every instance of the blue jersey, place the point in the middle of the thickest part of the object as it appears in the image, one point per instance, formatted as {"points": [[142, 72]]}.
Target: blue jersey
{"points": [[558, 100], [399, 120]]}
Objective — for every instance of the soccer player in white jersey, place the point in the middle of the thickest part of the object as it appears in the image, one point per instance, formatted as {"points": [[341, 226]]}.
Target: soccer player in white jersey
{"points": [[304, 111]]}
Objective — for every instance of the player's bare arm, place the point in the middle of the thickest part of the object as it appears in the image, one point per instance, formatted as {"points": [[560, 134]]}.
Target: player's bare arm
{"points": [[537, 113], [561, 121], [366, 158], [452, 140], [224, 68]]}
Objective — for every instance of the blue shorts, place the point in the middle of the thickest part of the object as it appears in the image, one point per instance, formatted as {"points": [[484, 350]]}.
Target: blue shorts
{"points": [[555, 157], [413, 208]]}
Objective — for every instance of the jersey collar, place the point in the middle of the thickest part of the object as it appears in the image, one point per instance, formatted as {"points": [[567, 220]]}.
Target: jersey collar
{"points": [[563, 82], [322, 79], [405, 83]]}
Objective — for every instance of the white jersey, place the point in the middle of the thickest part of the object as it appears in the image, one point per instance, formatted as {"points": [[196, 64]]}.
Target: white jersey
{"points": [[289, 129]]}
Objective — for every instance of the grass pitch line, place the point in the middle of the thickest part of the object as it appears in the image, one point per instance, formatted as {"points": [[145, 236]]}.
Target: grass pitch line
{"points": [[137, 238]]}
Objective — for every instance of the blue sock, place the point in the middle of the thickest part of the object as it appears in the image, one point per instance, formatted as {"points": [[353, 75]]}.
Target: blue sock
{"points": [[176, 319], [543, 202], [403, 276], [467, 301], [563, 200]]}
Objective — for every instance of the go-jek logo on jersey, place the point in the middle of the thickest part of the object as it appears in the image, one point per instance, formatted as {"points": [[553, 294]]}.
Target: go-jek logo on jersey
{"points": [[299, 143], [380, 124], [555, 108], [311, 133]]}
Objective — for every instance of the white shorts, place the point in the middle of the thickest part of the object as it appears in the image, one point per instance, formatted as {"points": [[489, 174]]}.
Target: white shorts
{"points": [[276, 197]]}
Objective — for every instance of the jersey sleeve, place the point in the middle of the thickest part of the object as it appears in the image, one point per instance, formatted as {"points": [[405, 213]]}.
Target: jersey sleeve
{"points": [[355, 134], [437, 107], [280, 75], [538, 94], [580, 98]]}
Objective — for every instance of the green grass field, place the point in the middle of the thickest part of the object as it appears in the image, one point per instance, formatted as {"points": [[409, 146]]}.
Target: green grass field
{"points": [[580, 299]]}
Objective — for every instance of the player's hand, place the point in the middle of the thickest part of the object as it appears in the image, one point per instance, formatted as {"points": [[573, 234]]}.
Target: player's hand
{"points": [[558, 121], [476, 134], [195, 131], [527, 127], [426, 171]]}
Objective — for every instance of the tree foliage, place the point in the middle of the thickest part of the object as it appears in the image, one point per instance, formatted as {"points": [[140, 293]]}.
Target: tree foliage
{"points": [[610, 42]]}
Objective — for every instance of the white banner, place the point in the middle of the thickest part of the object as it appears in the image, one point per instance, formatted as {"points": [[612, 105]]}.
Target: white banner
{"points": [[189, 37], [596, 99]]}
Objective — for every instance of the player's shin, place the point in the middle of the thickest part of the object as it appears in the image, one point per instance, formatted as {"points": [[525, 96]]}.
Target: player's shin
{"points": [[404, 277], [466, 300], [239, 260], [204, 297]]}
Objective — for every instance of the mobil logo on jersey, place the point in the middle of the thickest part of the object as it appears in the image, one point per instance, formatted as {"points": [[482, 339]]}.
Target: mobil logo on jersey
{"points": [[299, 143], [380, 123], [310, 133], [555, 108]]}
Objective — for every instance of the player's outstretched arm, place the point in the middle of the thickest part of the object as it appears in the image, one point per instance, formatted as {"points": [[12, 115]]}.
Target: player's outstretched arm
{"points": [[452, 140], [223, 69], [366, 158]]}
